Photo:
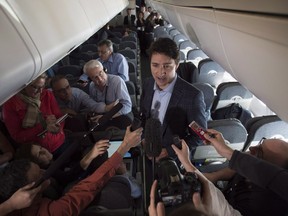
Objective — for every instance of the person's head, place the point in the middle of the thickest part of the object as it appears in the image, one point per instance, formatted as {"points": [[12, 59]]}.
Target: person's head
{"points": [[35, 88], [143, 8], [140, 15], [96, 72], [149, 9], [272, 150], [164, 57], [17, 174], [35, 153], [129, 11], [105, 49], [61, 88]]}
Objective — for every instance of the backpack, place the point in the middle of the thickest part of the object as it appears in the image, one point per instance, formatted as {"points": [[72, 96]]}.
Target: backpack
{"points": [[233, 110]]}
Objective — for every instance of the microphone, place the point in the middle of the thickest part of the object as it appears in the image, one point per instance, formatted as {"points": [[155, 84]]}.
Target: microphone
{"points": [[153, 137], [155, 110], [107, 116]]}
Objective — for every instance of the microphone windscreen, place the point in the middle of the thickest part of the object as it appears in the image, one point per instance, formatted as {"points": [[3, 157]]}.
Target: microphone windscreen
{"points": [[135, 124], [153, 137], [107, 116]]}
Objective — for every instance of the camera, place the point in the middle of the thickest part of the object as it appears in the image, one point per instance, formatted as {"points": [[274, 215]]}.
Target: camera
{"points": [[173, 187]]}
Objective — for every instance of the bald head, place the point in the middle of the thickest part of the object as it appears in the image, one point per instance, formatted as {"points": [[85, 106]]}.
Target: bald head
{"points": [[273, 150]]}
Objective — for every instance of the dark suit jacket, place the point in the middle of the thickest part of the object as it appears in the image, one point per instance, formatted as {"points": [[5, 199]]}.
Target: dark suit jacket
{"points": [[186, 104], [133, 17]]}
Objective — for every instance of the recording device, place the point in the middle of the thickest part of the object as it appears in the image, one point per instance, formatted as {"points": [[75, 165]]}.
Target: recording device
{"points": [[153, 137], [177, 141], [74, 146], [135, 124], [58, 121], [173, 187], [198, 130]]}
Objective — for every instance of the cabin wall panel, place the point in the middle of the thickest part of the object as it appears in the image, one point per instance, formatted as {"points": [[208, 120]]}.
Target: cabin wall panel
{"points": [[257, 51]]}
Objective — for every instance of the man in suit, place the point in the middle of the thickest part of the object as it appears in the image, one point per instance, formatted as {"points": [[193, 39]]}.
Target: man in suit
{"points": [[176, 102], [129, 19]]}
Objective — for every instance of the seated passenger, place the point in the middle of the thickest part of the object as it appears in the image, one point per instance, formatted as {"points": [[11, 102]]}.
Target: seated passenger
{"points": [[254, 197], [107, 89], [269, 174], [78, 197], [76, 103], [21, 199], [115, 63], [30, 112], [70, 171]]}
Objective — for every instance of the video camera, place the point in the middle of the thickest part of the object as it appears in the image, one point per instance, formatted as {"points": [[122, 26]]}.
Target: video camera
{"points": [[173, 187]]}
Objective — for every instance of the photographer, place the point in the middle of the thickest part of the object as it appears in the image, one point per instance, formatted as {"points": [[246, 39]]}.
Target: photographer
{"points": [[211, 201]]}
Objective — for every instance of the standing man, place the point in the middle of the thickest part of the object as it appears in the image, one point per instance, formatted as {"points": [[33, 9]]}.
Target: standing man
{"points": [[109, 89], [180, 102], [129, 19]]}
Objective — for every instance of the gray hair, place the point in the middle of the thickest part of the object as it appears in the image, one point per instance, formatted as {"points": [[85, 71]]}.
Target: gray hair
{"points": [[107, 43], [92, 64]]}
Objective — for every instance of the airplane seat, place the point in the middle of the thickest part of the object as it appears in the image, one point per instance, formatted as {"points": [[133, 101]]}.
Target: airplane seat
{"points": [[6, 133], [132, 92], [185, 46], [88, 47], [116, 41], [71, 73], [179, 38], [163, 34], [232, 92], [125, 44], [188, 71], [209, 95], [158, 30], [235, 135], [196, 55], [212, 73], [182, 56], [265, 126], [130, 38], [173, 32]]}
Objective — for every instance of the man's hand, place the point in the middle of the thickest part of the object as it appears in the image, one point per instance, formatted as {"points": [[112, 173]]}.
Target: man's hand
{"points": [[216, 139], [108, 107], [154, 210]]}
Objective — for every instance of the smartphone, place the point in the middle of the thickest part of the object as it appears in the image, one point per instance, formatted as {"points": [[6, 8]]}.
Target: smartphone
{"points": [[198, 130]]}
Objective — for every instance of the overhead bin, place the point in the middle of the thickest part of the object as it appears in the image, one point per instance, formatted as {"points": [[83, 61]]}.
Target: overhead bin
{"points": [[37, 34]]}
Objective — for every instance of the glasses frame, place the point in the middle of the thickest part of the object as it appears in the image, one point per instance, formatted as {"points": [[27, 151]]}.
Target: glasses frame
{"points": [[260, 152]]}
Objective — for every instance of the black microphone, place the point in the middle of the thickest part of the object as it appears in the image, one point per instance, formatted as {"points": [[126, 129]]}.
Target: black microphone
{"points": [[155, 110], [107, 116], [153, 137]]}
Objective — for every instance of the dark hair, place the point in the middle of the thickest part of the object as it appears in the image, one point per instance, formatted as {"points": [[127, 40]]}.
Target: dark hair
{"points": [[56, 79], [107, 43], [25, 152], [13, 177], [165, 46]]}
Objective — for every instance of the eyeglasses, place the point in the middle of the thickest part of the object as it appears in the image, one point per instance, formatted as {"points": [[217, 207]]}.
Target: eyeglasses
{"points": [[102, 52], [260, 148], [63, 90], [36, 88]]}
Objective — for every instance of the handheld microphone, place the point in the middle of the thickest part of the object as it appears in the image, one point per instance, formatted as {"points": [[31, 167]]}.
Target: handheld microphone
{"points": [[107, 116], [153, 137]]}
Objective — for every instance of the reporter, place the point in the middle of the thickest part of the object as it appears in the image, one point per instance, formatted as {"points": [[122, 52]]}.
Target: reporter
{"points": [[79, 196], [211, 201], [268, 175], [22, 198]]}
